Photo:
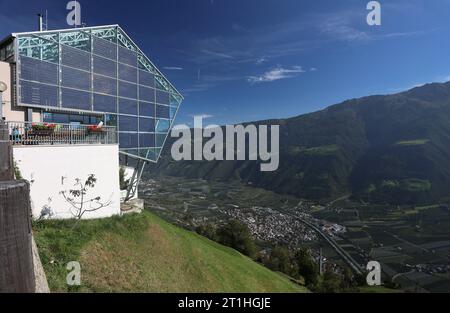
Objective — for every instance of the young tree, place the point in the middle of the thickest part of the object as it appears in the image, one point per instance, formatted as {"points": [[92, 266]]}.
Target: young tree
{"points": [[280, 260], [207, 230], [307, 267], [331, 283], [79, 200]]}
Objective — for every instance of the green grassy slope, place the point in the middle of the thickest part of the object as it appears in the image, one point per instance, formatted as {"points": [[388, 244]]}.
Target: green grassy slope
{"points": [[142, 253]]}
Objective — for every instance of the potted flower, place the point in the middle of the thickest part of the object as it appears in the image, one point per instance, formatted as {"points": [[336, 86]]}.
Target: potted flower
{"points": [[43, 129], [95, 129]]}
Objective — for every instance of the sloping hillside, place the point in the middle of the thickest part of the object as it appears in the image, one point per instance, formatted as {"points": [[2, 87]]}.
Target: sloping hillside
{"points": [[142, 253], [393, 148]]}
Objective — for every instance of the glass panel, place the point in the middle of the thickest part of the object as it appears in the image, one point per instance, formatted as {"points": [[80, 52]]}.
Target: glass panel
{"points": [[105, 85], [128, 140], [146, 109], [173, 112], [146, 79], [162, 126], [160, 138], [61, 118], [127, 90], [75, 58], [38, 48], [75, 99], [105, 48], [110, 120], [95, 120], [143, 153], [76, 39], [38, 94], [162, 111], [109, 34], [162, 97], [153, 154], [146, 94], [40, 71], [105, 103], [105, 67], [128, 73], [146, 125], [128, 123], [158, 152], [127, 56], [47, 117], [175, 100], [76, 79], [128, 106], [158, 85], [146, 140]]}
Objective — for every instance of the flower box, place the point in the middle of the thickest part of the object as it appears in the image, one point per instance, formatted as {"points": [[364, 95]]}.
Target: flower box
{"points": [[95, 129], [43, 129]]}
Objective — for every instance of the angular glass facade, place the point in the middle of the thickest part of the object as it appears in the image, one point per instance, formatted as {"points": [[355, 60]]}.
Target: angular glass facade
{"points": [[98, 70]]}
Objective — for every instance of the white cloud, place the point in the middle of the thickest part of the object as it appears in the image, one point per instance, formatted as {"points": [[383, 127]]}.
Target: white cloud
{"points": [[276, 74], [173, 68], [218, 54], [338, 26], [261, 60], [202, 115]]}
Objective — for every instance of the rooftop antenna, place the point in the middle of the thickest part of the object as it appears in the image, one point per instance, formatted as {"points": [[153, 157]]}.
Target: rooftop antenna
{"points": [[40, 26], [46, 20]]}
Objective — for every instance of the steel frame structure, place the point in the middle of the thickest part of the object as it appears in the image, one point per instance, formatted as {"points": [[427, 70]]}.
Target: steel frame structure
{"points": [[112, 33], [47, 45]]}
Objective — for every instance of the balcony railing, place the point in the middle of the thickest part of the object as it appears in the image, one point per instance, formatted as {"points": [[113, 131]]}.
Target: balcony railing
{"points": [[32, 134]]}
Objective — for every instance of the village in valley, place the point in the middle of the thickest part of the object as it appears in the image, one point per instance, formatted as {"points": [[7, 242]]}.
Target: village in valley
{"points": [[334, 232]]}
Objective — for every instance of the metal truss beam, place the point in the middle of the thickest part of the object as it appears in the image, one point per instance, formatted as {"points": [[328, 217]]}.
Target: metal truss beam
{"points": [[135, 179], [81, 38]]}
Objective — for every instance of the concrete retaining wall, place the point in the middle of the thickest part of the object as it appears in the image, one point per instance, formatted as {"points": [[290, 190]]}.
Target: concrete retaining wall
{"points": [[54, 169]]}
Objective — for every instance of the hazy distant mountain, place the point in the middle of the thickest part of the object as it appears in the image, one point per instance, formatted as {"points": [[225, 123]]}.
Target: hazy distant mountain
{"points": [[393, 148]]}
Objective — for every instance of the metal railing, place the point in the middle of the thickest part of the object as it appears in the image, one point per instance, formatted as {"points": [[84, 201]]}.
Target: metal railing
{"points": [[32, 134]]}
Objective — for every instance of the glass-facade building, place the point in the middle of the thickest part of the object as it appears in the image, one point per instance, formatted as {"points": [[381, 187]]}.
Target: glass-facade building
{"points": [[93, 74]]}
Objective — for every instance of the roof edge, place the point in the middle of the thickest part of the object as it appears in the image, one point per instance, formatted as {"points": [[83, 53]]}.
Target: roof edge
{"points": [[64, 30], [97, 27], [6, 39]]}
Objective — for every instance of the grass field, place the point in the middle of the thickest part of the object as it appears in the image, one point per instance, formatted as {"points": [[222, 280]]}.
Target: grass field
{"points": [[142, 253]]}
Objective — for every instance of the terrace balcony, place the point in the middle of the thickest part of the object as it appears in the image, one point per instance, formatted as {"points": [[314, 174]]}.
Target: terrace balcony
{"points": [[53, 134]]}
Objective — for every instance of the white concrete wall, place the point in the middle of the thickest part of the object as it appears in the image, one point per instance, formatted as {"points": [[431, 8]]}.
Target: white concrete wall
{"points": [[53, 169]]}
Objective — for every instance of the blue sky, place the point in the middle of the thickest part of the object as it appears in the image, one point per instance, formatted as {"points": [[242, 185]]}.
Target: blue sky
{"points": [[246, 60]]}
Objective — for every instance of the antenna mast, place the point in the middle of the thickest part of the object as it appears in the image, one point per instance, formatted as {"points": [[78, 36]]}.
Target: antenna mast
{"points": [[46, 20]]}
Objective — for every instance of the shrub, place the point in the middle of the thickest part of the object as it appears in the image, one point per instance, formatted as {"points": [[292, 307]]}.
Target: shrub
{"points": [[236, 235]]}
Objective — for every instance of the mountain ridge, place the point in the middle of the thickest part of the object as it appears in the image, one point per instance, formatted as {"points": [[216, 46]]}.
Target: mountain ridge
{"points": [[381, 148]]}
